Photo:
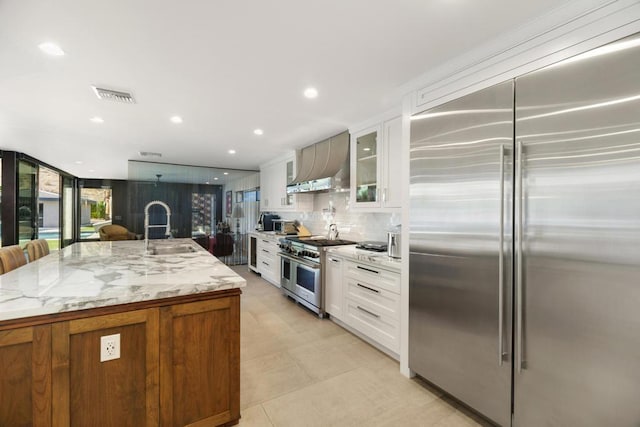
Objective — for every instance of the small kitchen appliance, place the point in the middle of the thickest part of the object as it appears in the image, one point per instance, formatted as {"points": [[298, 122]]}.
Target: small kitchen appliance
{"points": [[267, 221], [393, 244], [284, 227]]}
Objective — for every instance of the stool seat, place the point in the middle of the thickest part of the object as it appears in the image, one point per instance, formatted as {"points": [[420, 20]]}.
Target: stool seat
{"points": [[12, 257], [36, 249]]}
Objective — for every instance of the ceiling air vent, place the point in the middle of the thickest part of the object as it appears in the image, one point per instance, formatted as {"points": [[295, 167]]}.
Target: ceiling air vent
{"points": [[149, 154], [113, 95]]}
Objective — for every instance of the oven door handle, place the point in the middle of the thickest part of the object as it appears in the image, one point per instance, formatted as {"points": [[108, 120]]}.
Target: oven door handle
{"points": [[299, 261]]}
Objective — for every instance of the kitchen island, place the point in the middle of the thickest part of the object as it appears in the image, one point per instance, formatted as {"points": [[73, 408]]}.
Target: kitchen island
{"points": [[174, 317]]}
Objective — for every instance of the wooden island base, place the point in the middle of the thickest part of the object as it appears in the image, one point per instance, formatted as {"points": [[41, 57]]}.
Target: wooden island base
{"points": [[179, 365]]}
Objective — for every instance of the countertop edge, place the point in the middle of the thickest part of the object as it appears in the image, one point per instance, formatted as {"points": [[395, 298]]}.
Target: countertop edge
{"points": [[368, 257], [62, 316]]}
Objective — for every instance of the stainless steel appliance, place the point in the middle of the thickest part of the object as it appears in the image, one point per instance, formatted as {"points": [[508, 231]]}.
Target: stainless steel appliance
{"points": [[559, 193], [322, 166], [460, 249], [393, 244], [284, 226], [302, 269], [267, 221]]}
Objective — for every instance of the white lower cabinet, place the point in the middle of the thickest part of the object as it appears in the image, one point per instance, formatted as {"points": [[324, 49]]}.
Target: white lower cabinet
{"points": [[267, 259], [371, 303], [334, 295]]}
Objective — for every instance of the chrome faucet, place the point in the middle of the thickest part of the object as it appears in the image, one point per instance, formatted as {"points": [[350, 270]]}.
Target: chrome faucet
{"points": [[146, 222]]}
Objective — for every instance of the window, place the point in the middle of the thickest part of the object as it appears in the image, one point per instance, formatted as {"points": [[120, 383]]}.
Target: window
{"points": [[95, 211], [49, 206]]}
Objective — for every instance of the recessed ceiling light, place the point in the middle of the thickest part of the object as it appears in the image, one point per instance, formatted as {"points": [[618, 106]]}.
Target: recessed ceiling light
{"points": [[226, 173], [366, 149], [311, 92], [97, 119], [232, 151], [207, 182], [176, 119], [216, 178], [78, 162], [258, 131], [51, 49]]}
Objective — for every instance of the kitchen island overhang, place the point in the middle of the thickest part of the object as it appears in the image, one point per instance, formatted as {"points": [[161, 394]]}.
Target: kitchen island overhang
{"points": [[93, 275], [179, 320]]}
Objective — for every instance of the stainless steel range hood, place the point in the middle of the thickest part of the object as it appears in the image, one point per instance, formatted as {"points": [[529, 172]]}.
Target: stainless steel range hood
{"points": [[322, 166]]}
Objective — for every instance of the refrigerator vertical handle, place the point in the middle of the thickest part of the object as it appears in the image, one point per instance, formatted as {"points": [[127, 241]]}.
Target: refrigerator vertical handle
{"points": [[519, 264], [501, 263]]}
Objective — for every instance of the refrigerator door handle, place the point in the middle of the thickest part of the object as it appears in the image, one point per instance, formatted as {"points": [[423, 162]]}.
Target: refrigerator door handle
{"points": [[519, 264], [501, 264]]}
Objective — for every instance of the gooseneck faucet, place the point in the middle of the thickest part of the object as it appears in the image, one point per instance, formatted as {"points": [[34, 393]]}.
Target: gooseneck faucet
{"points": [[146, 221]]}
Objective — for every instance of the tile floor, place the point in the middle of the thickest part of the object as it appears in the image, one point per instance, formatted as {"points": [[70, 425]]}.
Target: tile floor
{"points": [[298, 370]]}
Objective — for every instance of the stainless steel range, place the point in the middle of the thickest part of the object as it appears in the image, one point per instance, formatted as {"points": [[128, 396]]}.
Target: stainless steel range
{"points": [[302, 261]]}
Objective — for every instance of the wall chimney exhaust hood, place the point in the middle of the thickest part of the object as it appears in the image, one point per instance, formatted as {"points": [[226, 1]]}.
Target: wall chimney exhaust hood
{"points": [[322, 166]]}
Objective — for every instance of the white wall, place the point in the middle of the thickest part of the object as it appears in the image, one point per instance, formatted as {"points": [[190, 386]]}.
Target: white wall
{"points": [[334, 208]]}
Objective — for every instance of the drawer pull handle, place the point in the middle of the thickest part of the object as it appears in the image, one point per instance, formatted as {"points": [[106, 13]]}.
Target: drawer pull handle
{"points": [[266, 241], [334, 260], [368, 269], [377, 316], [265, 263], [368, 288], [264, 250]]}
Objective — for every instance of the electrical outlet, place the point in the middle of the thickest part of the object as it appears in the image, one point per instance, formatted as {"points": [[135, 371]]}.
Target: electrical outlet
{"points": [[109, 347]]}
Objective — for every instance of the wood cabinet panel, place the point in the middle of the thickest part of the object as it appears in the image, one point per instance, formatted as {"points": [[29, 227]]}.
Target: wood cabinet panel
{"points": [[51, 374], [200, 369], [25, 382], [120, 392]]}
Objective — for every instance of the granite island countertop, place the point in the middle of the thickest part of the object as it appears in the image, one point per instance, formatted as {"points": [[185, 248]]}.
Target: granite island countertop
{"points": [[98, 274]]}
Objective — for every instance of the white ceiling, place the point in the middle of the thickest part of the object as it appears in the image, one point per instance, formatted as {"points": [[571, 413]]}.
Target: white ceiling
{"points": [[225, 66]]}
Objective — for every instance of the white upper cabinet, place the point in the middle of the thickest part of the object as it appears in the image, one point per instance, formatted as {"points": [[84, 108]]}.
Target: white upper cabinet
{"points": [[274, 177], [375, 166]]}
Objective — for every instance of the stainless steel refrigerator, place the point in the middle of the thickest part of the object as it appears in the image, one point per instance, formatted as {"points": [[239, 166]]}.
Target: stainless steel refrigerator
{"points": [[525, 244]]}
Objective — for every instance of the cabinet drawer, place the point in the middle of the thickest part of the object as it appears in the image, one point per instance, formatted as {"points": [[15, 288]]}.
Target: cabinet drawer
{"points": [[264, 254], [373, 323], [267, 244], [383, 301], [378, 277]]}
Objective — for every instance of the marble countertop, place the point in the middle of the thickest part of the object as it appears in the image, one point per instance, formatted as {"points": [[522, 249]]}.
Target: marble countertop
{"points": [[376, 258], [98, 274]]}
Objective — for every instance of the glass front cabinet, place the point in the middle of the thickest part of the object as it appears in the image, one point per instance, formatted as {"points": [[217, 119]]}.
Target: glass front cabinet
{"points": [[375, 166]]}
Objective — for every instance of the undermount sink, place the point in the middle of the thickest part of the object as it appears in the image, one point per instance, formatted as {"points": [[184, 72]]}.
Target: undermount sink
{"points": [[171, 249]]}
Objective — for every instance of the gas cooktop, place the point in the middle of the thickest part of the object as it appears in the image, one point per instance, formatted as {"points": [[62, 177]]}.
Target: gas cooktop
{"points": [[315, 241]]}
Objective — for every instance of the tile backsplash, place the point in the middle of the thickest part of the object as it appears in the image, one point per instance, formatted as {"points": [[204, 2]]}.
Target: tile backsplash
{"points": [[330, 208]]}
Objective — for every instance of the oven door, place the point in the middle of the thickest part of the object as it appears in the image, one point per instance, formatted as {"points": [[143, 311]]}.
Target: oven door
{"points": [[308, 282], [287, 273]]}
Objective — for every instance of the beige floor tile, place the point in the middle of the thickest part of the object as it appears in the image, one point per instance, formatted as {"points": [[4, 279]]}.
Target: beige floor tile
{"points": [[254, 417], [299, 370], [321, 361], [268, 377], [347, 399], [411, 415]]}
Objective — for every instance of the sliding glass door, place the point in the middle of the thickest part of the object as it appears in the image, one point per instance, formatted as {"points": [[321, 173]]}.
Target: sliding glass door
{"points": [[27, 203], [68, 210]]}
